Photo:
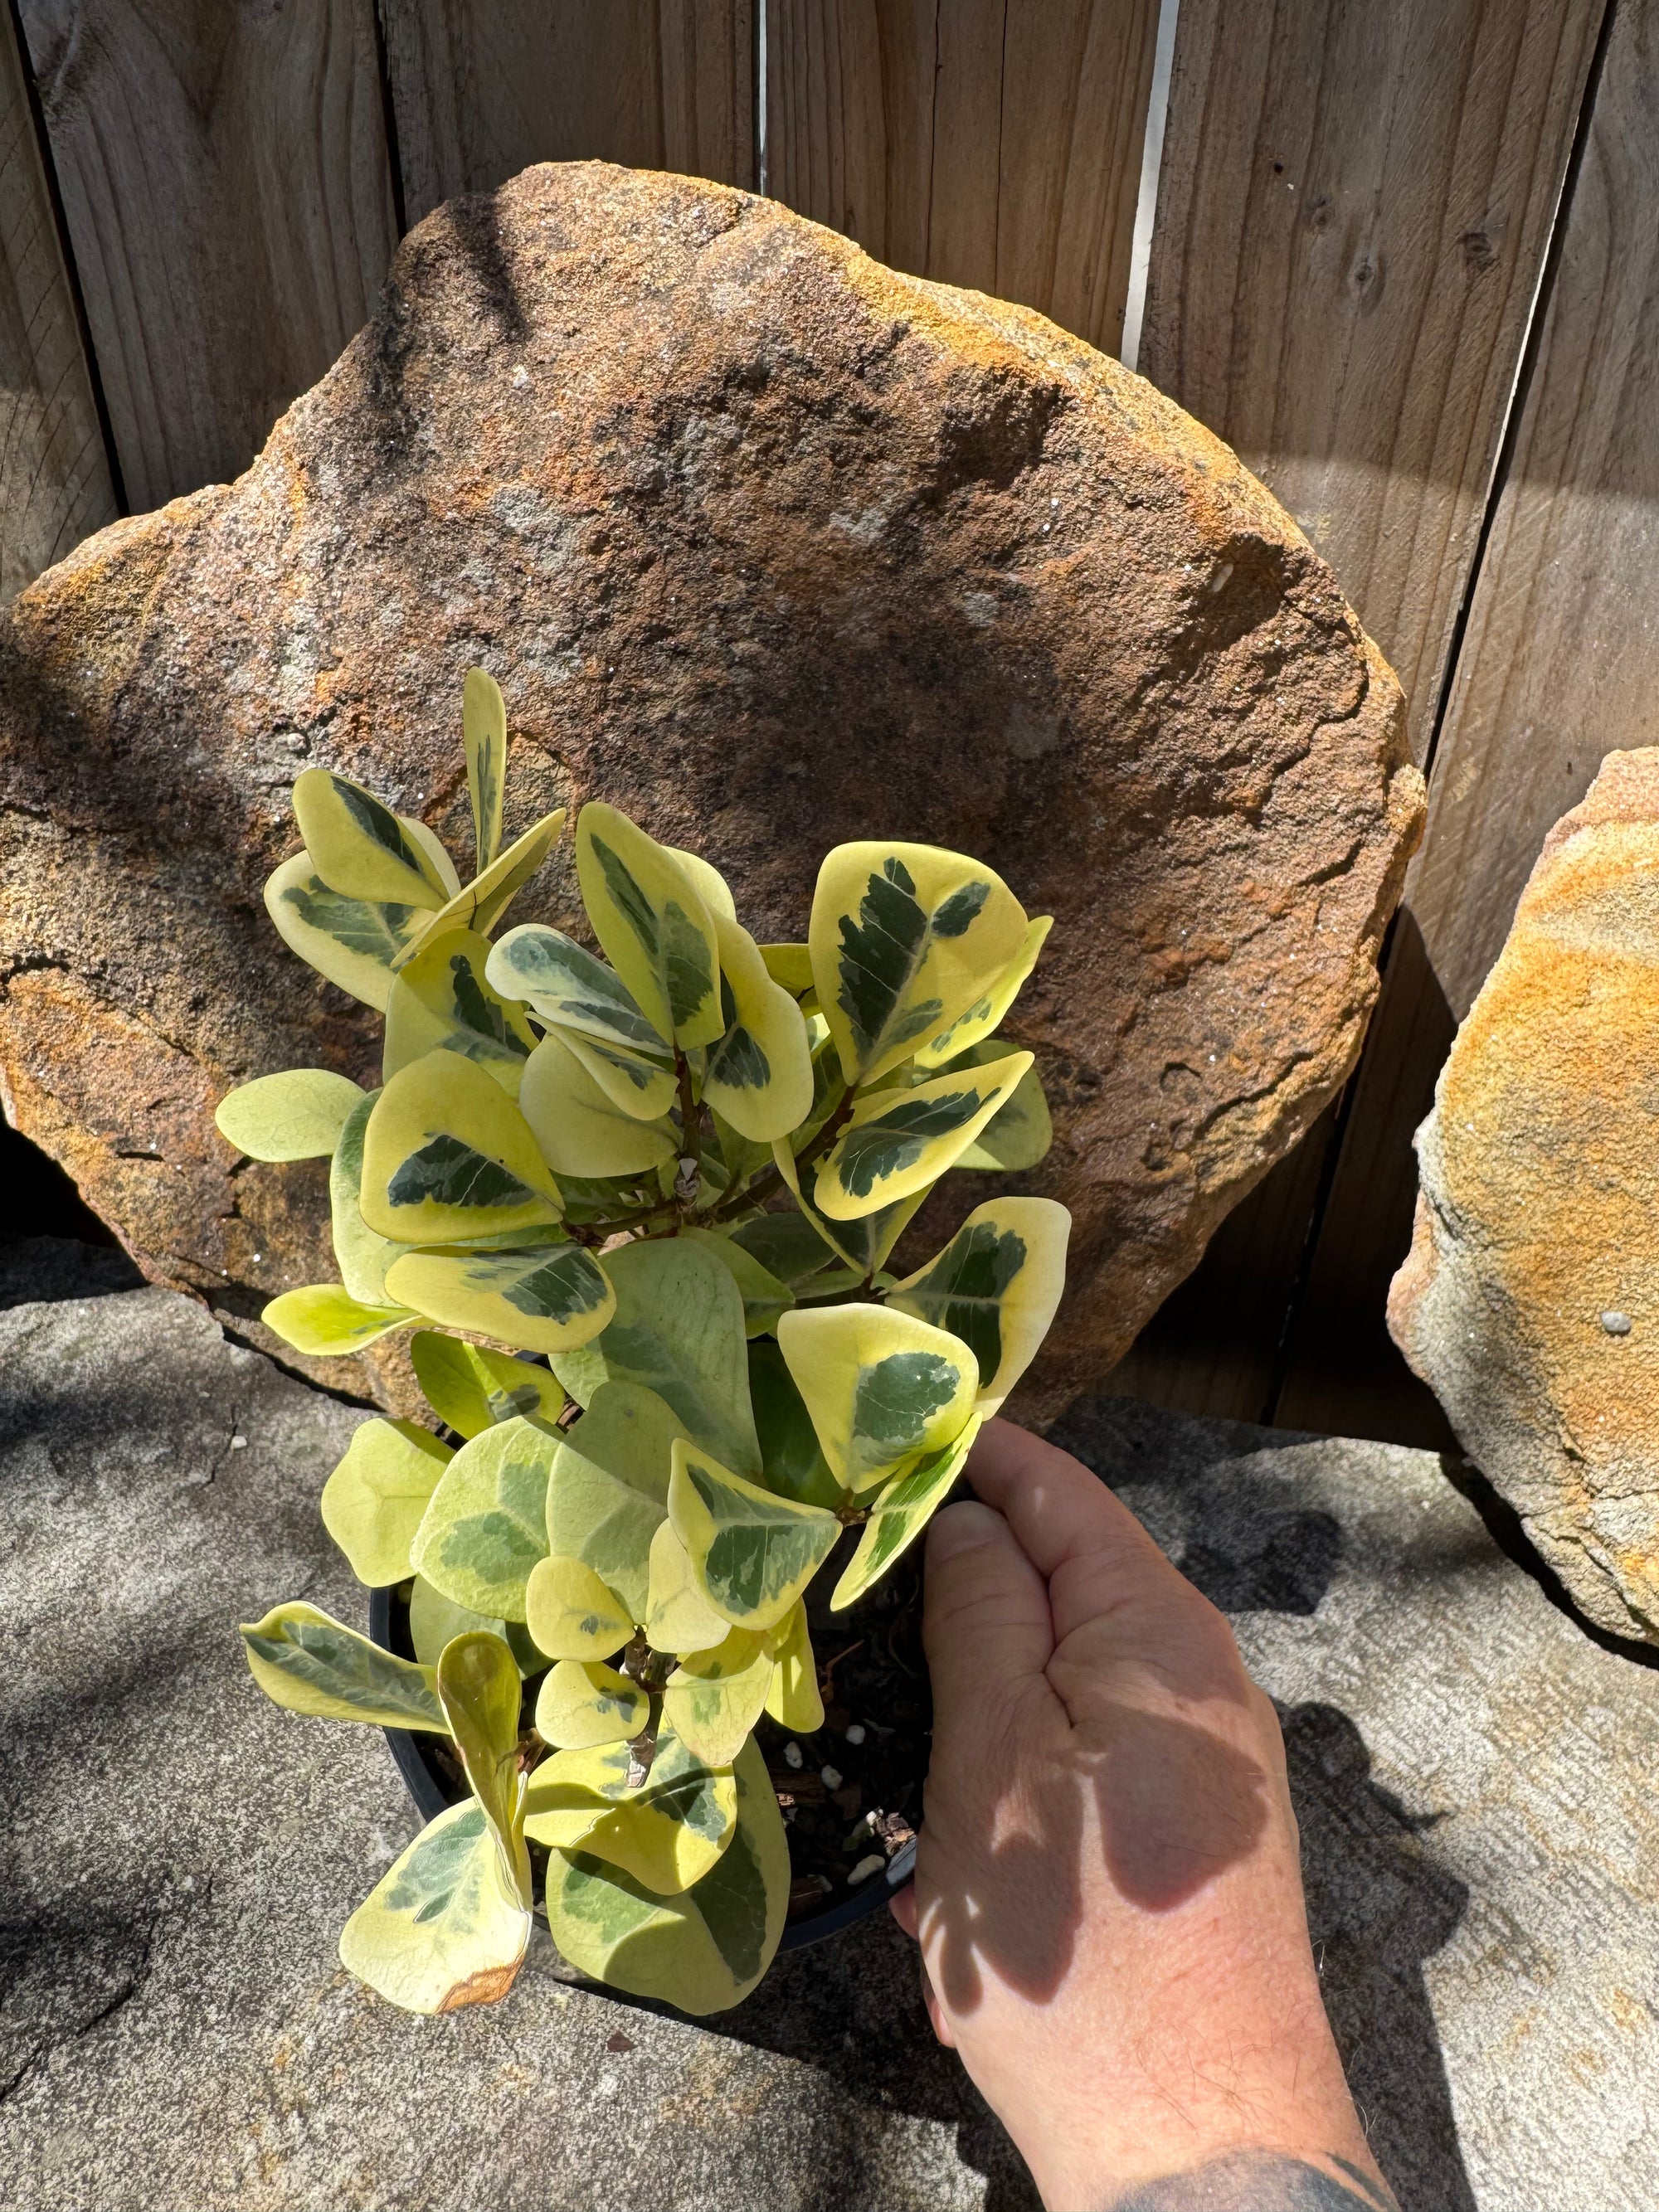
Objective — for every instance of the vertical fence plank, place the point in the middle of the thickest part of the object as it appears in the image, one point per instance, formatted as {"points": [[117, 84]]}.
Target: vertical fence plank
{"points": [[1353, 213], [225, 181], [995, 143], [481, 88], [54, 474], [1559, 665]]}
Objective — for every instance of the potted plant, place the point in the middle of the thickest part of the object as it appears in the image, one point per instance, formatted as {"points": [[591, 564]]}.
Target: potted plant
{"points": [[676, 1173]]}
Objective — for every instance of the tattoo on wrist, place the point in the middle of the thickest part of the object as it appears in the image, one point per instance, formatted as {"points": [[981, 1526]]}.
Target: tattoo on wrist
{"points": [[1260, 2181]]}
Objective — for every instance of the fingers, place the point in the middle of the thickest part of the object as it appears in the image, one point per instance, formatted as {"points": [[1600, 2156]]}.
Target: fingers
{"points": [[985, 1621], [1094, 1554]]}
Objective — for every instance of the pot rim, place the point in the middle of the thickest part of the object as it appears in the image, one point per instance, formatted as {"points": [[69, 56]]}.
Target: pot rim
{"points": [[430, 1800]]}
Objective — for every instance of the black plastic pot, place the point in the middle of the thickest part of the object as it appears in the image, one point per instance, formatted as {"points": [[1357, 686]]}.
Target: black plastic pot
{"points": [[433, 1793]]}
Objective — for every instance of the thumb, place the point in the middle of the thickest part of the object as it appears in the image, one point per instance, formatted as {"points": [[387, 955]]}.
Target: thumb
{"points": [[985, 1620]]}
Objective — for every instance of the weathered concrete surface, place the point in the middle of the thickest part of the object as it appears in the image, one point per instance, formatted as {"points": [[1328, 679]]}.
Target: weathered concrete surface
{"points": [[1473, 1777], [774, 548], [1529, 1302]]}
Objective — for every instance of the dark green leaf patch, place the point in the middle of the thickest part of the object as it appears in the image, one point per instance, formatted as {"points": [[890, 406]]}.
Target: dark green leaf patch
{"points": [[880, 951], [450, 1173], [897, 1398], [560, 1287], [376, 932], [878, 1148], [964, 1290]]}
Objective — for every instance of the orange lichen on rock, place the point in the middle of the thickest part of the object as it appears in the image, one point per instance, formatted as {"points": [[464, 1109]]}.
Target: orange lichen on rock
{"points": [[1530, 1300]]}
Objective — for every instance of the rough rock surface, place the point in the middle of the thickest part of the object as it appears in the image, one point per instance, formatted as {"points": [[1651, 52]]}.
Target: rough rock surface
{"points": [[774, 548], [1473, 1776], [1529, 1302]]}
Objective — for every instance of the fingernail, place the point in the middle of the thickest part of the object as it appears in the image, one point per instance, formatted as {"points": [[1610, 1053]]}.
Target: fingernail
{"points": [[962, 1528]]}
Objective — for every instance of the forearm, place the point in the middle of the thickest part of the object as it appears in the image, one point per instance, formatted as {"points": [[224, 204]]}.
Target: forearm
{"points": [[1256, 2181]]}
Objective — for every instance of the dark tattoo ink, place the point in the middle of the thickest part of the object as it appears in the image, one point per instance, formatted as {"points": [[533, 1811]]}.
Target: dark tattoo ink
{"points": [[1259, 2181]]}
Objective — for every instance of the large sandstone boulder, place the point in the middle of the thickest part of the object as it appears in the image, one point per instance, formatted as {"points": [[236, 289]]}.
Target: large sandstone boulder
{"points": [[773, 547], [1529, 1302]]}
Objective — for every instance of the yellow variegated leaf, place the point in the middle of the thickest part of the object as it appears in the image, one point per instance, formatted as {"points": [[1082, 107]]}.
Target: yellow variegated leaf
{"points": [[549, 1297], [986, 1014], [354, 943], [678, 1329], [478, 1686], [649, 917], [751, 1553], [667, 1832], [678, 1618], [446, 1926], [758, 1074], [361, 1256], [572, 1614], [448, 1157], [702, 1950], [579, 1127], [900, 1512], [485, 1525], [471, 1389], [899, 1142], [880, 1387], [863, 1244], [375, 1500], [435, 1621], [792, 1697], [714, 1698], [296, 1115], [904, 939], [763, 1296], [707, 881], [565, 986], [440, 1001], [312, 1663], [790, 965], [608, 1495], [326, 1321], [637, 1086], [581, 1706], [483, 732], [362, 850], [996, 1285], [487, 898], [1020, 1132]]}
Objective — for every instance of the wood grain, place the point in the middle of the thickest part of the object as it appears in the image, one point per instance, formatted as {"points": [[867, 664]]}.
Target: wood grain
{"points": [[225, 181], [1559, 666], [993, 143], [481, 88], [1354, 210], [54, 474]]}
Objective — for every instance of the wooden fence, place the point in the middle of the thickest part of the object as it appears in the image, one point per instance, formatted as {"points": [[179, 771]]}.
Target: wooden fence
{"points": [[1403, 254]]}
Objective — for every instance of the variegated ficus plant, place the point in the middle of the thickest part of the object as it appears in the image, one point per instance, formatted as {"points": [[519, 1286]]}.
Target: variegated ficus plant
{"points": [[676, 1173]]}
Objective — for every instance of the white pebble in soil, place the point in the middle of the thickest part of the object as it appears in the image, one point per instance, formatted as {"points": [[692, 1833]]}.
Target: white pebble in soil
{"points": [[866, 1868], [1616, 1323], [793, 1755], [830, 1777], [855, 1734]]}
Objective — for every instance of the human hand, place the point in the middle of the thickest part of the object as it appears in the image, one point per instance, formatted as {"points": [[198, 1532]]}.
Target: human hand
{"points": [[1107, 1895]]}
